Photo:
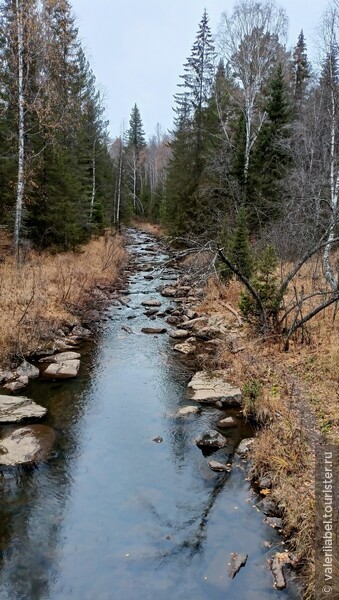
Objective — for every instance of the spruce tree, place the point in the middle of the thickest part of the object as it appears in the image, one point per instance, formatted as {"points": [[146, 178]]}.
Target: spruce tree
{"points": [[301, 70]]}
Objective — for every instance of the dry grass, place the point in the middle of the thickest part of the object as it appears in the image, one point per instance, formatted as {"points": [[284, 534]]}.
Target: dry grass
{"points": [[45, 292], [152, 228], [294, 399]]}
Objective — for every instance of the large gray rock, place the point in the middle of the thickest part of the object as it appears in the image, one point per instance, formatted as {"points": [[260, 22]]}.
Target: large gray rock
{"points": [[26, 445], [62, 370], [61, 358], [14, 409], [211, 439], [27, 370], [212, 386]]}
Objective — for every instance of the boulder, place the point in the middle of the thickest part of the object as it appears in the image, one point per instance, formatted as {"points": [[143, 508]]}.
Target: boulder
{"points": [[179, 334], [244, 446], [151, 302], [187, 410], [211, 386], [154, 330], [26, 445], [211, 439], [62, 370], [227, 422], [61, 358], [28, 370], [14, 409]]}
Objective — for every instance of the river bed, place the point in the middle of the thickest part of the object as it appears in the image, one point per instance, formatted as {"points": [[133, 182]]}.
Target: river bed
{"points": [[112, 514]]}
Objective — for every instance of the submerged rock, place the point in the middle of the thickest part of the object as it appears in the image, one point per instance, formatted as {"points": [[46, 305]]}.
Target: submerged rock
{"points": [[211, 439], [237, 561], [187, 410], [17, 408], [62, 370], [26, 445], [206, 386], [154, 330], [158, 439]]}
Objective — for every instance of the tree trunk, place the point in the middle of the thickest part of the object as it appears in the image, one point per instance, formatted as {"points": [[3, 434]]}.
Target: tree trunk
{"points": [[21, 130]]}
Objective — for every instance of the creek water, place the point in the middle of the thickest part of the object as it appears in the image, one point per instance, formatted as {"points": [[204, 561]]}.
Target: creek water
{"points": [[112, 514]]}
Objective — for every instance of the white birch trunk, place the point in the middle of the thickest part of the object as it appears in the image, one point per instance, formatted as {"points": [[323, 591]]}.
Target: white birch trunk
{"points": [[118, 206], [334, 185], [93, 182], [21, 129]]}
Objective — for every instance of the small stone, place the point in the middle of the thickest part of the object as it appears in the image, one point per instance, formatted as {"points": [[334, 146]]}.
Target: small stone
{"points": [[269, 508], [211, 439], [154, 330], [237, 561], [275, 522], [169, 292], [151, 303], [244, 446], [179, 334], [227, 422], [265, 482], [173, 320], [158, 439], [217, 466], [151, 312], [185, 348], [277, 568]]}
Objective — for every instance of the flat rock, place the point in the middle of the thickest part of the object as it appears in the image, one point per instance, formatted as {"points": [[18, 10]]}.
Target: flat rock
{"points": [[211, 386], [179, 334], [62, 370], [61, 358], [277, 569], [151, 302], [14, 409], [227, 422], [211, 439], [187, 410], [237, 561], [217, 466], [81, 332], [185, 348], [154, 330], [26, 445], [27, 370], [244, 446]]}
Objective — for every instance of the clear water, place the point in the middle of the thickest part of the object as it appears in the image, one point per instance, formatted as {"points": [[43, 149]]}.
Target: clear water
{"points": [[112, 514]]}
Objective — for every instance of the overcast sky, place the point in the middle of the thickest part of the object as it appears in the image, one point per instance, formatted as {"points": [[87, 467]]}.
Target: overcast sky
{"points": [[137, 48]]}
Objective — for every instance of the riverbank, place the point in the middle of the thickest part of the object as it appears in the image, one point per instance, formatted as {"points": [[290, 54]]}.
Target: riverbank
{"points": [[290, 398], [51, 292]]}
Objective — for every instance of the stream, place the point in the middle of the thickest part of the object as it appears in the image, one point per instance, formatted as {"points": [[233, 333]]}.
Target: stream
{"points": [[112, 514]]}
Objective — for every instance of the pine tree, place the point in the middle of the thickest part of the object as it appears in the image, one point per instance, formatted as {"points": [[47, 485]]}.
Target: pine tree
{"points": [[270, 159], [301, 70], [184, 200]]}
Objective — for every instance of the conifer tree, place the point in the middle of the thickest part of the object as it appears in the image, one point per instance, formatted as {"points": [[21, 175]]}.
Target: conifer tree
{"points": [[301, 70]]}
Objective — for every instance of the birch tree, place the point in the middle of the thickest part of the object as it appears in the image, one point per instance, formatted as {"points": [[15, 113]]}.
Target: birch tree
{"points": [[250, 41]]}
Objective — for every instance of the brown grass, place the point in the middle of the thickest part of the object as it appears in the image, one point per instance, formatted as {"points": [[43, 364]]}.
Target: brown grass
{"points": [[44, 293], [152, 228], [295, 403]]}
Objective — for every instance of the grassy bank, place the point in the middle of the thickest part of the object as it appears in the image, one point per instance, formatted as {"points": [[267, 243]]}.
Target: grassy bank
{"points": [[50, 290], [292, 399]]}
